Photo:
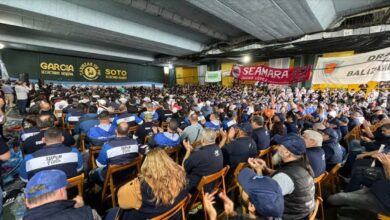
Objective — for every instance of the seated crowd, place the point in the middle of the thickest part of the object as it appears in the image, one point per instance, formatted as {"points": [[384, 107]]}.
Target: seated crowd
{"points": [[273, 142]]}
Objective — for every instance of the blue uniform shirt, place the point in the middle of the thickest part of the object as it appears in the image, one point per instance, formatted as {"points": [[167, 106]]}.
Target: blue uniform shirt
{"points": [[73, 117], [165, 139], [215, 125], [34, 143], [131, 119], [98, 135], [86, 122], [29, 132], [120, 150], [56, 156]]}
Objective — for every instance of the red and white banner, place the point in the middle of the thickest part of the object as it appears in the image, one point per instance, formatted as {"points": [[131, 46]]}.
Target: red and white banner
{"points": [[272, 75]]}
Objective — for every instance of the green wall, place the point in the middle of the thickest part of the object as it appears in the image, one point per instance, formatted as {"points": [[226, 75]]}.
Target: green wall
{"points": [[77, 69]]}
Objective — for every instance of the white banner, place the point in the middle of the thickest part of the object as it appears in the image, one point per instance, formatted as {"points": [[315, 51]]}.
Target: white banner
{"points": [[213, 76], [356, 69]]}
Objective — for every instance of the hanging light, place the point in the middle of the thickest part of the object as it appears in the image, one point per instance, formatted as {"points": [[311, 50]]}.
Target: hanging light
{"points": [[246, 59]]}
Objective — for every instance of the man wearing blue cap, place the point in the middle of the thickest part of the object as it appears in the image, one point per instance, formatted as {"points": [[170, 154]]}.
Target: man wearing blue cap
{"points": [[333, 151], [239, 149], [46, 198], [295, 176], [262, 195]]}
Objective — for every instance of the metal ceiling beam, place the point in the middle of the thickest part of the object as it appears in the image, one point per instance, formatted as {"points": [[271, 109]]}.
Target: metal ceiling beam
{"points": [[161, 12], [77, 14], [9, 38]]}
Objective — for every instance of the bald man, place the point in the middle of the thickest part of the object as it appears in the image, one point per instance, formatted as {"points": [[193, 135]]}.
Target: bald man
{"points": [[120, 150]]}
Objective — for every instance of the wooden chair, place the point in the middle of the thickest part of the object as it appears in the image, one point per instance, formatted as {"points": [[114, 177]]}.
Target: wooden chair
{"points": [[58, 113], [266, 154], [315, 211], [173, 151], [77, 181], [217, 178], [63, 120], [93, 152], [383, 217], [133, 129], [169, 214], [318, 182], [70, 127], [164, 125], [147, 139], [109, 180], [82, 142], [333, 177], [234, 184]]}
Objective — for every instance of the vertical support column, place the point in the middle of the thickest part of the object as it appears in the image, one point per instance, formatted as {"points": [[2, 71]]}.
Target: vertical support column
{"points": [[172, 77], [202, 69]]}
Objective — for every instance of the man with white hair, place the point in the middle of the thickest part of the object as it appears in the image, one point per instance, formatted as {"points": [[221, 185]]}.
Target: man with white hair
{"points": [[150, 109], [202, 161], [314, 151]]}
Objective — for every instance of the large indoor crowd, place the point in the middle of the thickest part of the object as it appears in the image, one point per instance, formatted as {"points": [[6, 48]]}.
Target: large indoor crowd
{"points": [[263, 147]]}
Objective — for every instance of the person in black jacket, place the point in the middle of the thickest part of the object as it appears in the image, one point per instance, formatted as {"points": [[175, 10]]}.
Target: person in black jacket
{"points": [[260, 133], [333, 150], [34, 142], [46, 198]]}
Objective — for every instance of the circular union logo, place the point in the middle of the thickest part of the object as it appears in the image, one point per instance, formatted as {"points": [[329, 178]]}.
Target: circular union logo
{"points": [[90, 71]]}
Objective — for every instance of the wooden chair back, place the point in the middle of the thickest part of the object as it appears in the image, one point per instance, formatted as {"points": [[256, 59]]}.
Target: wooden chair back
{"points": [[109, 180], [77, 181], [266, 154], [70, 127], [133, 129], [217, 178], [63, 116], [148, 138], [58, 113], [234, 181], [173, 151], [82, 138], [93, 153], [316, 207], [169, 214], [383, 217], [333, 177], [164, 125], [318, 183]]}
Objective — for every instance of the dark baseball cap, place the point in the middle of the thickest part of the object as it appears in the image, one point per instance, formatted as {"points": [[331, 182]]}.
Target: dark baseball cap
{"points": [[334, 122], [294, 143], [330, 132], [245, 127], [264, 193]]}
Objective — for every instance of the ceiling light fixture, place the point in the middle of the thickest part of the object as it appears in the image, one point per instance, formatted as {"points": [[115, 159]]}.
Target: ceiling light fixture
{"points": [[246, 59]]}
